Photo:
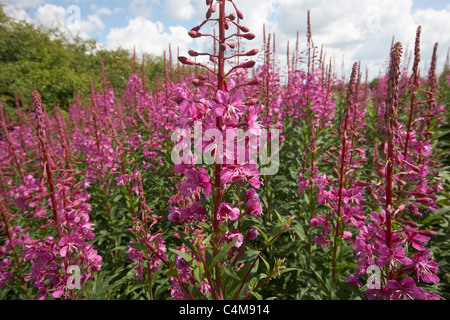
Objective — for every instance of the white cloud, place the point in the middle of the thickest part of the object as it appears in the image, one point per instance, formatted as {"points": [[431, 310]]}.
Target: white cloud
{"points": [[56, 17], [104, 10], [17, 13], [148, 36], [141, 8], [180, 9]]}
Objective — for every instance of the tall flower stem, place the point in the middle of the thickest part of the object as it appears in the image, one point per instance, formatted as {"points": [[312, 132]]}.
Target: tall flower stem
{"points": [[391, 113], [343, 164], [45, 159]]}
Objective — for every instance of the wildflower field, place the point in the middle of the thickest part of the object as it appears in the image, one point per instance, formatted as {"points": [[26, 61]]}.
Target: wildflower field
{"points": [[227, 178]]}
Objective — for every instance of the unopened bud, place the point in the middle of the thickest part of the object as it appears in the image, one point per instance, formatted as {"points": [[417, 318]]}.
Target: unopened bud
{"points": [[252, 52], [248, 36], [411, 224], [239, 14], [251, 102], [194, 34], [208, 2], [222, 47], [193, 53], [427, 233], [201, 77], [197, 82], [186, 61], [254, 82], [244, 28], [248, 64], [232, 16]]}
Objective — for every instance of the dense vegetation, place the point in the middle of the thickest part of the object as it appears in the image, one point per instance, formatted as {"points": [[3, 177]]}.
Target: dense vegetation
{"points": [[94, 207]]}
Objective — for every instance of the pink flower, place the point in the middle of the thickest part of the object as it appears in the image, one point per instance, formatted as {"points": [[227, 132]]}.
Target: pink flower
{"points": [[425, 269], [196, 179], [229, 109], [252, 234], [322, 241], [254, 205], [228, 237], [228, 213], [392, 257], [405, 288], [70, 243], [416, 239], [236, 173]]}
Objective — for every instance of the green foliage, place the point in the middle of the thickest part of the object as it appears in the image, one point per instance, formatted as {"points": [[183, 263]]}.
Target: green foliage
{"points": [[56, 64]]}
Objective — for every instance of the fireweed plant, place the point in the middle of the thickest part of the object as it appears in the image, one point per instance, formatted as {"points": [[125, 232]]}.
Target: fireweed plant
{"points": [[224, 173]]}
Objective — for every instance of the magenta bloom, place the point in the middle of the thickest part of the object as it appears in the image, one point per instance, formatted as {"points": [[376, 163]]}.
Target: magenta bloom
{"points": [[197, 179], [254, 205], [392, 257], [70, 243], [228, 213], [405, 288], [252, 234], [230, 109], [236, 173], [416, 239], [425, 269]]}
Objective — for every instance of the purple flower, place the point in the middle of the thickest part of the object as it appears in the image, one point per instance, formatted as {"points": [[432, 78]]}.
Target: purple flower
{"points": [[252, 234], [254, 205], [392, 257], [425, 269], [197, 179], [405, 288], [416, 239], [228, 213]]}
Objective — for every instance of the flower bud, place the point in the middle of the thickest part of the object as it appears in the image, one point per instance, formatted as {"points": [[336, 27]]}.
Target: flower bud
{"points": [[232, 45], [232, 16], [239, 14], [186, 61], [194, 34], [252, 52], [222, 47], [193, 53], [254, 82], [248, 64], [248, 36], [244, 28], [427, 233]]}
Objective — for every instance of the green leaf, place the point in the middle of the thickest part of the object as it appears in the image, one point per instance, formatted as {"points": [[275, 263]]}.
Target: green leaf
{"points": [[221, 254], [184, 255], [138, 246]]}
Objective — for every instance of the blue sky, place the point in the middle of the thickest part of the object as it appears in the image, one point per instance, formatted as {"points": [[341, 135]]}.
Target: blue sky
{"points": [[349, 30]]}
